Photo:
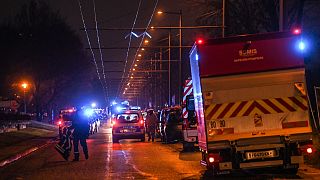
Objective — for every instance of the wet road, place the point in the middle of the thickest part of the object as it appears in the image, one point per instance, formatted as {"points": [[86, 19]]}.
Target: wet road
{"points": [[129, 159]]}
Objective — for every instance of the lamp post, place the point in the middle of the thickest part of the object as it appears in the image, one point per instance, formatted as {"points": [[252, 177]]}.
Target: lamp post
{"points": [[180, 48], [24, 87]]}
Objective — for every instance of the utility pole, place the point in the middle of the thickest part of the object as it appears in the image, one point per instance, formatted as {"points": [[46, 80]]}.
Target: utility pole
{"points": [[161, 82], [180, 56], [281, 15], [223, 17], [169, 70]]}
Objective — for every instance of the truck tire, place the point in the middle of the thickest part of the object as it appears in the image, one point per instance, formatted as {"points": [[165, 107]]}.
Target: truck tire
{"points": [[210, 173], [187, 146], [291, 171]]}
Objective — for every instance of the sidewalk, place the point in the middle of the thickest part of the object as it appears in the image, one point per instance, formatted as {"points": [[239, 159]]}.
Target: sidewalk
{"points": [[19, 143]]}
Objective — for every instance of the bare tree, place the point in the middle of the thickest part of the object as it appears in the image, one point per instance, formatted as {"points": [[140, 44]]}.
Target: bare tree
{"points": [[42, 47]]}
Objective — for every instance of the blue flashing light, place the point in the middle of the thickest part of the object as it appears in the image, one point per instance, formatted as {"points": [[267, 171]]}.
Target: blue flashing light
{"points": [[118, 108], [114, 102], [93, 105], [88, 112], [302, 45], [197, 57]]}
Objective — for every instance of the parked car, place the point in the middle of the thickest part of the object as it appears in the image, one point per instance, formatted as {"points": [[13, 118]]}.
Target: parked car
{"points": [[128, 124], [65, 119], [170, 124]]}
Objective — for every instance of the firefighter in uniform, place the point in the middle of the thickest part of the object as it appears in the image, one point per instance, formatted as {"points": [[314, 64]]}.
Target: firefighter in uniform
{"points": [[80, 126], [151, 124]]}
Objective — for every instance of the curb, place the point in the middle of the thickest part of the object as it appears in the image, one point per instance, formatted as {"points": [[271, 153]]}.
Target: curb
{"points": [[25, 153]]}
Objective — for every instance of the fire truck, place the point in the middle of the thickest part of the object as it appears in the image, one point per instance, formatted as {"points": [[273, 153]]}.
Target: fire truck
{"points": [[189, 126], [251, 101]]}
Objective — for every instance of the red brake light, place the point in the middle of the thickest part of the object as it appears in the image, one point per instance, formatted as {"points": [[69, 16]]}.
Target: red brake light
{"points": [[200, 41], [59, 122], [309, 150], [141, 122], [296, 31]]}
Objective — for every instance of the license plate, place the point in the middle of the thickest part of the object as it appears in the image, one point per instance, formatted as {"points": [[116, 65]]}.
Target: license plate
{"points": [[127, 130], [261, 154]]}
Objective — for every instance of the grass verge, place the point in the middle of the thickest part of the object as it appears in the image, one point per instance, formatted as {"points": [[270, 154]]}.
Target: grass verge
{"points": [[15, 142]]}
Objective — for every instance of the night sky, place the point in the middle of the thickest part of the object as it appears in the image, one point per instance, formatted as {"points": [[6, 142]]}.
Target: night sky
{"points": [[115, 14]]}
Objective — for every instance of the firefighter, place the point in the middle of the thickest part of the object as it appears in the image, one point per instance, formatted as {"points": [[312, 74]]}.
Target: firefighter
{"points": [[81, 128], [151, 124]]}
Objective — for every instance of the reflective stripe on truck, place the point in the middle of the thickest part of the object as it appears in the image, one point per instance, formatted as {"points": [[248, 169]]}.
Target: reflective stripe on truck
{"points": [[274, 116], [250, 108], [187, 90]]}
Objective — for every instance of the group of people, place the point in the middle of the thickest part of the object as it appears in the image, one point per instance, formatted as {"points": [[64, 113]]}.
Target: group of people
{"points": [[151, 124], [81, 129]]}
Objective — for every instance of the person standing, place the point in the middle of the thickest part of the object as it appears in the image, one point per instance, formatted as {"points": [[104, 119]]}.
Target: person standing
{"points": [[151, 124], [81, 128]]}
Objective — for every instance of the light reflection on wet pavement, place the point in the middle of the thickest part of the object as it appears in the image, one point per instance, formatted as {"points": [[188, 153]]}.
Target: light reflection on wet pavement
{"points": [[129, 159]]}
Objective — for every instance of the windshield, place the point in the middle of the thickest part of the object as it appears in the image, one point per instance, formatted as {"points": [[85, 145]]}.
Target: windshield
{"points": [[128, 117]]}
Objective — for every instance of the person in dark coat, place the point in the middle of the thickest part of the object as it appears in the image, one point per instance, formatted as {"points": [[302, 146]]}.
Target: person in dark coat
{"points": [[151, 124], [80, 126]]}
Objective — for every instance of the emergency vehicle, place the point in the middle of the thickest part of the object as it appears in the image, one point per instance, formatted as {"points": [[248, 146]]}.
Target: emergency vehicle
{"points": [[64, 119], [251, 101], [128, 124], [189, 126]]}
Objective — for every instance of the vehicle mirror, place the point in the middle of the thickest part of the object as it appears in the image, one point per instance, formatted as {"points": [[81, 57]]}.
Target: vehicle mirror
{"points": [[190, 103]]}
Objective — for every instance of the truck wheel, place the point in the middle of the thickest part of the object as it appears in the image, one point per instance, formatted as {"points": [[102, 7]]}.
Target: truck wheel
{"points": [[291, 171], [210, 173], [187, 146]]}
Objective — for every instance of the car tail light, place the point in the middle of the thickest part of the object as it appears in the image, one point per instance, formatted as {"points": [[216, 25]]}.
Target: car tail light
{"points": [[59, 123], [113, 123], [309, 150], [213, 157], [141, 122]]}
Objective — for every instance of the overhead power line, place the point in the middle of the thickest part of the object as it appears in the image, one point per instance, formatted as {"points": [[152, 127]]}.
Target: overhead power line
{"points": [[101, 56], [149, 22], [89, 43], [129, 43], [88, 39], [150, 28]]}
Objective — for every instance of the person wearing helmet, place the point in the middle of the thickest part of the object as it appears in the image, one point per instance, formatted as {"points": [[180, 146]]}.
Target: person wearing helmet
{"points": [[151, 124]]}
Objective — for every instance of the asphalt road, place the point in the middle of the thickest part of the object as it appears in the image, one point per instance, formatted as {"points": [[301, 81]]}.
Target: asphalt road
{"points": [[129, 159]]}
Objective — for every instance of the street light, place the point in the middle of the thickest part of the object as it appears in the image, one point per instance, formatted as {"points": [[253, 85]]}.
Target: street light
{"points": [[24, 86], [180, 46]]}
